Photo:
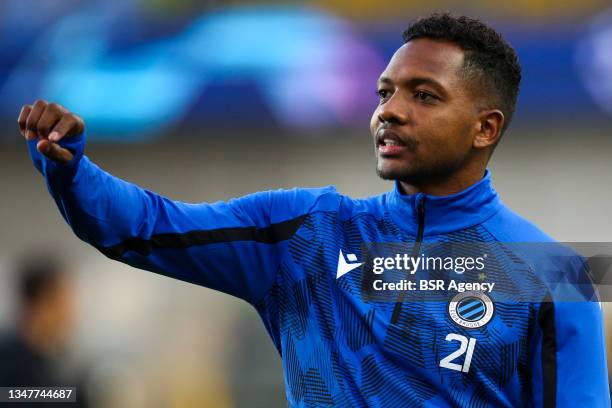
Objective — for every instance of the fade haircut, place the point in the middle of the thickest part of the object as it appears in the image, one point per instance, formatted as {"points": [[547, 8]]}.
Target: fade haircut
{"points": [[489, 61]]}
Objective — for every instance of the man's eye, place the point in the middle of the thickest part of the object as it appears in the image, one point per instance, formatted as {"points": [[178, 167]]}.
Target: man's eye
{"points": [[424, 96], [382, 94]]}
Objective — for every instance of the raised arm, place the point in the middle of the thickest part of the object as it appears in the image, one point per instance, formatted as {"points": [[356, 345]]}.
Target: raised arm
{"points": [[235, 246]]}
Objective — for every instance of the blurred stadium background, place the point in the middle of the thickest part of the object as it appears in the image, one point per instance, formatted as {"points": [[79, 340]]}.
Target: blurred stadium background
{"points": [[207, 100]]}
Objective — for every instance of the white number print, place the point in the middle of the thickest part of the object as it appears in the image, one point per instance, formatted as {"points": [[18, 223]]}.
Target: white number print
{"points": [[466, 344]]}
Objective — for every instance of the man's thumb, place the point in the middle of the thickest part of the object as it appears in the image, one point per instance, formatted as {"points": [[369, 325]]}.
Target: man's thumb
{"points": [[53, 151]]}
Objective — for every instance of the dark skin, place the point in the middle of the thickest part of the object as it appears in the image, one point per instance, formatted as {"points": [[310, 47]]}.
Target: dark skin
{"points": [[430, 129], [49, 123]]}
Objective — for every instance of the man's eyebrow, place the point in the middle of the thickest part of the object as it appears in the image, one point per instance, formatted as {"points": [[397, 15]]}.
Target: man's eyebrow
{"points": [[384, 80], [414, 82]]}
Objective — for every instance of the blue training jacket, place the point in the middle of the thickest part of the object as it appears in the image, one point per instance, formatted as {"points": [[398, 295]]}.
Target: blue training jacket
{"points": [[298, 257]]}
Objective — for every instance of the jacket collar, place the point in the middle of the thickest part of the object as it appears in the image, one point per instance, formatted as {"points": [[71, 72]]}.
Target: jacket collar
{"points": [[445, 214]]}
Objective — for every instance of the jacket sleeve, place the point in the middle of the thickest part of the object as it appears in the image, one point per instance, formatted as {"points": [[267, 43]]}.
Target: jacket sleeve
{"points": [[569, 364], [234, 247]]}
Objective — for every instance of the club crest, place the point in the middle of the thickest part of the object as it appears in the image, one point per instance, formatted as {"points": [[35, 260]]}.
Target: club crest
{"points": [[471, 309]]}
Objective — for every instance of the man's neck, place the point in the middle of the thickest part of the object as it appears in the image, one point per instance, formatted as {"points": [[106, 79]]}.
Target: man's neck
{"points": [[444, 187]]}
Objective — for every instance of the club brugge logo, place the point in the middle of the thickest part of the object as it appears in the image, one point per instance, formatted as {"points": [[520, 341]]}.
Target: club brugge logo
{"points": [[471, 309]]}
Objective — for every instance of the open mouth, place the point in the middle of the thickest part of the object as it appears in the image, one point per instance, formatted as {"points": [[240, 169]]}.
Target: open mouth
{"points": [[389, 143]]}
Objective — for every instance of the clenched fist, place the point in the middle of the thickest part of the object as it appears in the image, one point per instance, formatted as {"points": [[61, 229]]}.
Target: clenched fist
{"points": [[49, 123]]}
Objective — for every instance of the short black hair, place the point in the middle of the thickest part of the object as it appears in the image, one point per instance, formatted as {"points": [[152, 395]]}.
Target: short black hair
{"points": [[488, 57]]}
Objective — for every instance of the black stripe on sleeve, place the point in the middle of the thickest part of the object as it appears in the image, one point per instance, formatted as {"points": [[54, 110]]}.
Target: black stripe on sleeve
{"points": [[269, 235], [546, 319]]}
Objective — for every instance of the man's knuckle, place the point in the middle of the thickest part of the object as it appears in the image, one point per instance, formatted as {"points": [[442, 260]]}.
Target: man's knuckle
{"points": [[31, 124], [39, 103], [73, 121], [79, 121], [42, 128], [55, 108]]}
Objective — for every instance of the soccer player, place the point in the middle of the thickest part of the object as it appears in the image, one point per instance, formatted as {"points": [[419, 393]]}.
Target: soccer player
{"points": [[446, 97]]}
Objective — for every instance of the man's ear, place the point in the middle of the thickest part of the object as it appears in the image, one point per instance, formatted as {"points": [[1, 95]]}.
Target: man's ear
{"points": [[489, 128]]}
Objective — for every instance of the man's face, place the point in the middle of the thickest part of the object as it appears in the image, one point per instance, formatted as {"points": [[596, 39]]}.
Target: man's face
{"points": [[425, 121]]}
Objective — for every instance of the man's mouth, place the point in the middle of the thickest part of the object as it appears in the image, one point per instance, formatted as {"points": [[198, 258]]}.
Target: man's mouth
{"points": [[388, 143]]}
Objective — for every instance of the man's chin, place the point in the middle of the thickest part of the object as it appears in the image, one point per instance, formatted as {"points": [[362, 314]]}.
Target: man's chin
{"points": [[402, 173], [387, 173]]}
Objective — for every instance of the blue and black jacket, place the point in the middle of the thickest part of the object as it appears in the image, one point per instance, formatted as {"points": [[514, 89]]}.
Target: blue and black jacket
{"points": [[281, 251]]}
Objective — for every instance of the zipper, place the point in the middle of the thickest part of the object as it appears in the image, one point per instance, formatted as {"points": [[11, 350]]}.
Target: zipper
{"points": [[415, 253]]}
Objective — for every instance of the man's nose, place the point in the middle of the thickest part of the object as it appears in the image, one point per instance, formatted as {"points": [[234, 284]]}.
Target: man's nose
{"points": [[394, 110]]}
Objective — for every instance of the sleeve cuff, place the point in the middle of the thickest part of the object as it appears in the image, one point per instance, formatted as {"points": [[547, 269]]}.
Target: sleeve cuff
{"points": [[51, 169]]}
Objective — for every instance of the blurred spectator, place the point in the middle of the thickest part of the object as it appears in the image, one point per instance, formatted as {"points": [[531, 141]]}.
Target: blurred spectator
{"points": [[31, 353]]}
